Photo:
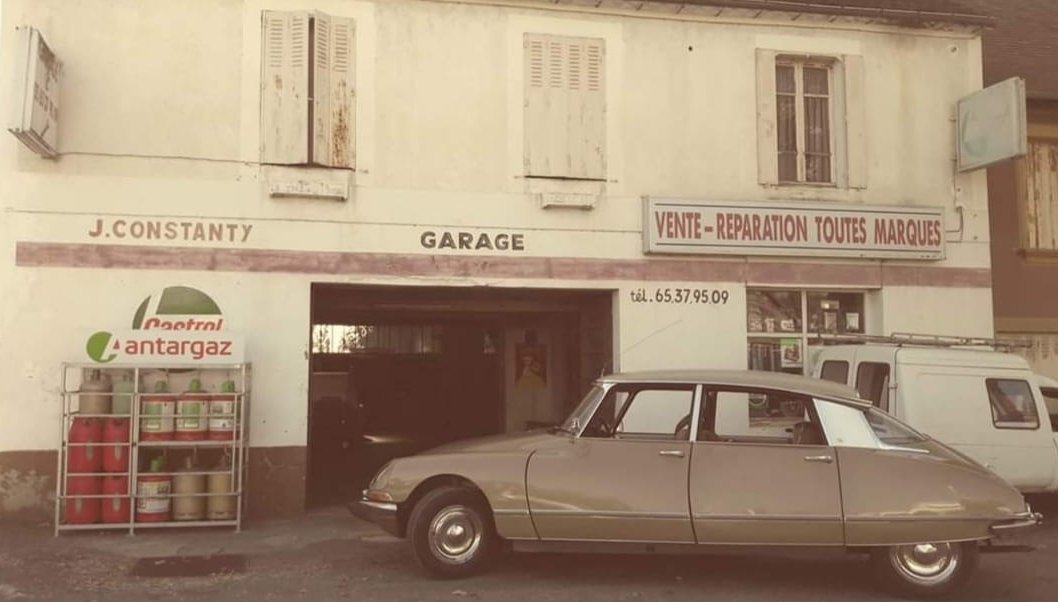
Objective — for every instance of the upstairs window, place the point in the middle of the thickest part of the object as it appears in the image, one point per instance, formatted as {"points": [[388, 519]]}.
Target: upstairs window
{"points": [[803, 117], [307, 89], [1040, 197], [810, 120], [565, 107]]}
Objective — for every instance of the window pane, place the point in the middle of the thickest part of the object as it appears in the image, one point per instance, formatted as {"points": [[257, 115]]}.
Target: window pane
{"points": [[1041, 219], [1012, 404], [817, 140], [872, 383], [787, 137], [835, 312], [758, 416], [816, 80], [774, 311], [889, 431], [835, 371], [656, 412], [845, 426], [784, 79]]}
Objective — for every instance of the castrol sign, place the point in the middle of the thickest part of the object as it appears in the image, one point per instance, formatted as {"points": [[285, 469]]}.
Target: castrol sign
{"points": [[176, 325], [792, 228]]}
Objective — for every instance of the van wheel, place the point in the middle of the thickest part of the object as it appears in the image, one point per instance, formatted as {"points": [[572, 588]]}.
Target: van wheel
{"points": [[452, 533], [925, 570]]}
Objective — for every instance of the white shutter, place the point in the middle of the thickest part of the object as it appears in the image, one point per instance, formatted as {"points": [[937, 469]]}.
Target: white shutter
{"points": [[587, 109], [855, 126], [284, 87], [565, 118], [334, 96], [767, 140]]}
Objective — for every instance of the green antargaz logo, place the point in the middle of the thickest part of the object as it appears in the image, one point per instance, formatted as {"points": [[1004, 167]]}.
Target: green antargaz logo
{"points": [[102, 347], [174, 308]]}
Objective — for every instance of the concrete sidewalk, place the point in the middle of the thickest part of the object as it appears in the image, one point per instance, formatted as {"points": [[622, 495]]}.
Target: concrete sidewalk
{"points": [[104, 565]]}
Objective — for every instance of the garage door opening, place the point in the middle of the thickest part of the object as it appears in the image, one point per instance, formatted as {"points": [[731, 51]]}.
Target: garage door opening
{"points": [[396, 370]]}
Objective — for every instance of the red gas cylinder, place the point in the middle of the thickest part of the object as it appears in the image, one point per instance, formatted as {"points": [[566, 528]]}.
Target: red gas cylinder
{"points": [[82, 457], [83, 510], [154, 494], [116, 457], [116, 509]]}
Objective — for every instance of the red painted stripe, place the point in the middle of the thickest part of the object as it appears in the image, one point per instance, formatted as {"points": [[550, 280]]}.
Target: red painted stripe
{"points": [[808, 273]]}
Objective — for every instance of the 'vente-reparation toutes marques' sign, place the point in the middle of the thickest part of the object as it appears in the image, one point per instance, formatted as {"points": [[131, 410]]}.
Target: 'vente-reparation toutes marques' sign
{"points": [[792, 228]]}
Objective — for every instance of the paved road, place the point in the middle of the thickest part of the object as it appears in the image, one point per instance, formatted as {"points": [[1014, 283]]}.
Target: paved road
{"points": [[331, 556]]}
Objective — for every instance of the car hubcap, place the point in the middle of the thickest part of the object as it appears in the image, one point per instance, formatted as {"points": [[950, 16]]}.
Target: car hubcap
{"points": [[926, 563], [455, 534]]}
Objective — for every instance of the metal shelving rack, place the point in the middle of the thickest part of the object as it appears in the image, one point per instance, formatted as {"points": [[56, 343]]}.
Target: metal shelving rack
{"points": [[237, 446]]}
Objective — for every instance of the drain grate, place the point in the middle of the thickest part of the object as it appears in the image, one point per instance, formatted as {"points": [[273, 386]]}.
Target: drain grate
{"points": [[189, 566]]}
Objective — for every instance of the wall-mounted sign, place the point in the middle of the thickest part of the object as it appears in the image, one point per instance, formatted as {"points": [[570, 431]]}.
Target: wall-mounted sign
{"points": [[472, 241], [992, 125], [792, 228], [177, 325], [38, 74]]}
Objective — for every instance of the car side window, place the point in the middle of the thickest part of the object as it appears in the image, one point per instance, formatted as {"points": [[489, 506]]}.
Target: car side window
{"points": [[836, 371], [1012, 404], [644, 412], [761, 416], [872, 383]]}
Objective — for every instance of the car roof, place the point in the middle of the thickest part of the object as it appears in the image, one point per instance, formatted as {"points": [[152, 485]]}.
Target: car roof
{"points": [[740, 378]]}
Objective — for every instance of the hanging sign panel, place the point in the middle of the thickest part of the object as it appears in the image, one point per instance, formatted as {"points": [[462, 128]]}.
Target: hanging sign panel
{"points": [[35, 110], [792, 228]]}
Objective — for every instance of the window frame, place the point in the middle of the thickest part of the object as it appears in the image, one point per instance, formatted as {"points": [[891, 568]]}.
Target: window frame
{"points": [[710, 404], [799, 63], [1037, 134], [992, 387]]}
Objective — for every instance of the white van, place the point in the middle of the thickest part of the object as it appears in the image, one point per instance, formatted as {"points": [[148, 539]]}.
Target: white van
{"points": [[987, 404]]}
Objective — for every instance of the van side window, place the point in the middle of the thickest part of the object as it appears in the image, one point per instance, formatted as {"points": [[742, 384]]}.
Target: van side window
{"points": [[872, 382], [1012, 404], [835, 371]]}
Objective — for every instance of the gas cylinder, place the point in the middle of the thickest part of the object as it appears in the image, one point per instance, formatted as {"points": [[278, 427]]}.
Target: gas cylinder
{"points": [[220, 505], [124, 388], [188, 501], [116, 509], [82, 510], [116, 457], [153, 494], [222, 410], [191, 409], [85, 453], [94, 395], [157, 408]]}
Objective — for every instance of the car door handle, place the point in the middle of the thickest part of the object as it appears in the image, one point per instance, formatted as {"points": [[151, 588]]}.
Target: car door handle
{"points": [[824, 459], [671, 452]]}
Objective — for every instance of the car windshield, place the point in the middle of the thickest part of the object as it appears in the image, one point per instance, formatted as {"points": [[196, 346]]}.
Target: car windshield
{"points": [[889, 431], [579, 417]]}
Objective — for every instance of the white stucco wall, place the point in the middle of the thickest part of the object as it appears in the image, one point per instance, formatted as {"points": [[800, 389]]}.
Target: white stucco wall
{"points": [[160, 113]]}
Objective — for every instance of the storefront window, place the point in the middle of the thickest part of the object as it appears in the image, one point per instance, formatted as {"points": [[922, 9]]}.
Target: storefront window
{"points": [[784, 325], [363, 338]]}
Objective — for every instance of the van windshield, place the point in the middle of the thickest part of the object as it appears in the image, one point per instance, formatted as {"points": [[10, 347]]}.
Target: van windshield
{"points": [[891, 432]]}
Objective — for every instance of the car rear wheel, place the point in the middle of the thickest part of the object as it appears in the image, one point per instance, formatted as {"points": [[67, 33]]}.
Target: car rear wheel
{"points": [[925, 570], [452, 533]]}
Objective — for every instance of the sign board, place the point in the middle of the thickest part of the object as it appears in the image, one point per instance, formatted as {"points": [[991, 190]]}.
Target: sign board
{"points": [[792, 228], [991, 125], [35, 110], [176, 325]]}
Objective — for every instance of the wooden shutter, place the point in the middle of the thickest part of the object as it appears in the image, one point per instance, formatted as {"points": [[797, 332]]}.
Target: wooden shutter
{"points": [[565, 107], [1041, 198], [284, 87], [767, 140], [333, 94], [855, 125]]}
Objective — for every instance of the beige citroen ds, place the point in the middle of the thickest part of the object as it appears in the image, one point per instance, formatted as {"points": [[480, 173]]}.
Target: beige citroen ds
{"points": [[671, 462]]}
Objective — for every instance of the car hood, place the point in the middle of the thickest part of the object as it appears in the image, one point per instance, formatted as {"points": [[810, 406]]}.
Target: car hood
{"points": [[512, 442]]}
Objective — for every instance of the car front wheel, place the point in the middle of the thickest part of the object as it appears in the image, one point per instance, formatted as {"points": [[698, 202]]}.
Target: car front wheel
{"points": [[925, 570], [451, 532]]}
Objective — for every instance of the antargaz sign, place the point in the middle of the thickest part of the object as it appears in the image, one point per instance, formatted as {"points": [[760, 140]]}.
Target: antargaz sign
{"points": [[177, 325]]}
